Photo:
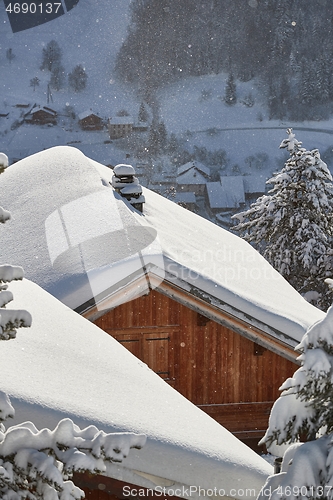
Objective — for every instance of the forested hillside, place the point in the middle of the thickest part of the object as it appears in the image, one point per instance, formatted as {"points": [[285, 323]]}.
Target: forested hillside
{"points": [[286, 46]]}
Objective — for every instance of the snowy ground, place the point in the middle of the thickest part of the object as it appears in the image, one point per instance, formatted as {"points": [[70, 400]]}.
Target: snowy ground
{"points": [[193, 108]]}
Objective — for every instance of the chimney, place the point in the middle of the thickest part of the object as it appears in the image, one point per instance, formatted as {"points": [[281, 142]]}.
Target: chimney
{"points": [[127, 185]]}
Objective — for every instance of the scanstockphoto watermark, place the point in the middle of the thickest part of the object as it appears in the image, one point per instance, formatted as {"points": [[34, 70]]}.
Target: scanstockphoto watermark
{"points": [[189, 491], [226, 274], [226, 264]]}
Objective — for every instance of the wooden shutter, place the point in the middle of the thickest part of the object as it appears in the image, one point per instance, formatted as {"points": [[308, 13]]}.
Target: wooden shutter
{"points": [[153, 348], [156, 353]]}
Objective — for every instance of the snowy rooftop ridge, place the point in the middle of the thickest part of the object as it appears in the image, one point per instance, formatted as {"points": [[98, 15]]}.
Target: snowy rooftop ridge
{"points": [[86, 113], [193, 173], [72, 188], [200, 167]]}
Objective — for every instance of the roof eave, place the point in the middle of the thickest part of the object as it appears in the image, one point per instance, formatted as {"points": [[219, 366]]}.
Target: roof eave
{"points": [[197, 299]]}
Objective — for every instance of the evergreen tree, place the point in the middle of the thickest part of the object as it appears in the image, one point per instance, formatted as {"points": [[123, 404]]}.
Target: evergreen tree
{"points": [[143, 113], [304, 411], [230, 90], [77, 79], [39, 465], [158, 136], [292, 225], [169, 40], [51, 55], [10, 54], [34, 82], [57, 76]]}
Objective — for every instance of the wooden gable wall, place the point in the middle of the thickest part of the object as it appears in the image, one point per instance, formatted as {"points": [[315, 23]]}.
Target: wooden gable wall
{"points": [[230, 377]]}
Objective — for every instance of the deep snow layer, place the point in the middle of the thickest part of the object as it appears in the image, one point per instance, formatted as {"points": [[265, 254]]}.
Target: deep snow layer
{"points": [[66, 366], [68, 223]]}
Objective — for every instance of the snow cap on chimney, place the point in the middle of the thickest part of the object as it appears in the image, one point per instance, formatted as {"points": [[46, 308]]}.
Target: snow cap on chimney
{"points": [[127, 185]]}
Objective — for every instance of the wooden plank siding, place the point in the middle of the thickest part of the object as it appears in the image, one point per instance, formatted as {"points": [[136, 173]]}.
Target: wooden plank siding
{"points": [[230, 377], [98, 487]]}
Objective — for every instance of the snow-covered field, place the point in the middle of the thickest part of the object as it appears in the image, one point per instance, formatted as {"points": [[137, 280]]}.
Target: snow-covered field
{"points": [[193, 108]]}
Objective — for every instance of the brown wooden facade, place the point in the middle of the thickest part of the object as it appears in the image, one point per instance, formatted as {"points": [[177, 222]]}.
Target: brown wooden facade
{"points": [[42, 116], [91, 122], [232, 378]]}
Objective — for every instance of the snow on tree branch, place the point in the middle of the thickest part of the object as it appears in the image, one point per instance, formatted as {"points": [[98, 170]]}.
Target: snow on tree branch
{"points": [[39, 464], [10, 320], [10, 273], [292, 226], [304, 411]]}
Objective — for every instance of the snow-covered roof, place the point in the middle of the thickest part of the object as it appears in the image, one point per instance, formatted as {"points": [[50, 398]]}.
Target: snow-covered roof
{"points": [[193, 164], [65, 366], [229, 193], [45, 109], [254, 183], [193, 173], [87, 113], [79, 240]]}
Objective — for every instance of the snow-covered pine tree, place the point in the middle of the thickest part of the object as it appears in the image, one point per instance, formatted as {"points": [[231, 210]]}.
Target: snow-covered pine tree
{"points": [[77, 79], [143, 115], [51, 55], [304, 411], [291, 226], [39, 464], [57, 77], [230, 90]]}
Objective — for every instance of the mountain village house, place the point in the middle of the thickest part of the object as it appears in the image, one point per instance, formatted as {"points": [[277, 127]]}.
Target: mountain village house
{"points": [[227, 194], [41, 115], [90, 121], [194, 302], [120, 126], [192, 177]]}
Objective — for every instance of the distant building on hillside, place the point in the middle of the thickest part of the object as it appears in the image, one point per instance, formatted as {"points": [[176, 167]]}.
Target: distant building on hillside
{"points": [[225, 195], [140, 127], [120, 126], [254, 186], [41, 115], [22, 105], [90, 121], [192, 176]]}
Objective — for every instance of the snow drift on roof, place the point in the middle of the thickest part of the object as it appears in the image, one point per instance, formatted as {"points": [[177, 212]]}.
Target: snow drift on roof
{"points": [[87, 113], [66, 366], [62, 186], [193, 173]]}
